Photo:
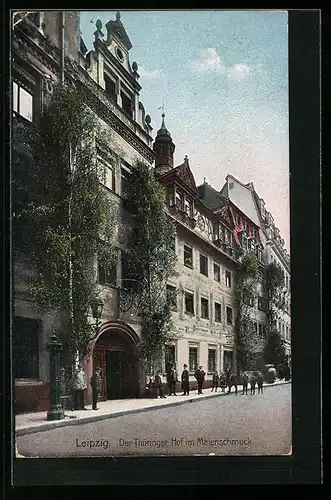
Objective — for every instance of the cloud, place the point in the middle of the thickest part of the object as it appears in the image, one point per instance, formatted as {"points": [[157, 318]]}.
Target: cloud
{"points": [[239, 71], [210, 60], [149, 75]]}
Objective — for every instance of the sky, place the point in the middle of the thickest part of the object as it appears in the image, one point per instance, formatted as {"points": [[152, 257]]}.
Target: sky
{"points": [[223, 79]]}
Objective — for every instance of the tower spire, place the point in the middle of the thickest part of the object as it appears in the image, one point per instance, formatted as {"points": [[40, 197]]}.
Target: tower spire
{"points": [[163, 147]]}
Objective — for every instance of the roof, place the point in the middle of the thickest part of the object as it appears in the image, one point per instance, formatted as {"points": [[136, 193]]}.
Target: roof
{"points": [[183, 173]]}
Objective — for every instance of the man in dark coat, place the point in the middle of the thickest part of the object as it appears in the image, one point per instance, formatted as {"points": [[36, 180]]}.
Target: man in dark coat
{"points": [[200, 376], [172, 379], [245, 383], [216, 380], [185, 381], [96, 385], [259, 380], [233, 381], [158, 384], [253, 383]]}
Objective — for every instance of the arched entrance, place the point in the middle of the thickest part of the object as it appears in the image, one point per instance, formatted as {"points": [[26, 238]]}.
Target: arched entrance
{"points": [[115, 354]]}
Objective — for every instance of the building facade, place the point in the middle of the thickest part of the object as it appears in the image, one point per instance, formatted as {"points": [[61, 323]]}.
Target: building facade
{"points": [[47, 49]]}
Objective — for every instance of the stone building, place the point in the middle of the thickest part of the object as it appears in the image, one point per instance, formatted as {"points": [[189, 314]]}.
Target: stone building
{"points": [[245, 196], [46, 49]]}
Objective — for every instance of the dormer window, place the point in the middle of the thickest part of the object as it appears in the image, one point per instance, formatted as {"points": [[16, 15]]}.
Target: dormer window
{"points": [[126, 102], [179, 201], [110, 86]]}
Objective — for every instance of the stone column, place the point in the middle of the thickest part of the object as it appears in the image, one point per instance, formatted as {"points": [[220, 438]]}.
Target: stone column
{"points": [[222, 358]]}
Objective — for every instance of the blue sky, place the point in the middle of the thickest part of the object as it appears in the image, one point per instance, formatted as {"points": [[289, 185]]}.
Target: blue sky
{"points": [[223, 78]]}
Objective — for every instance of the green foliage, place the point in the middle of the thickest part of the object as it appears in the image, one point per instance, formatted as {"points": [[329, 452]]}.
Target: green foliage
{"points": [[247, 278], [65, 219], [274, 284], [274, 350], [151, 259]]}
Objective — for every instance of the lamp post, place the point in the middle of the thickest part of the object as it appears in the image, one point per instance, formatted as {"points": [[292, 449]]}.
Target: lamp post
{"points": [[55, 347], [97, 308]]}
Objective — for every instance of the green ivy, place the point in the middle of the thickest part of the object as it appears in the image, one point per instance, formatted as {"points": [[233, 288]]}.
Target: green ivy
{"points": [[63, 219], [246, 280], [151, 261]]}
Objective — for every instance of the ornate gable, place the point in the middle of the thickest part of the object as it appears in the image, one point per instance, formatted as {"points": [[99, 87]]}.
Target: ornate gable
{"points": [[224, 214], [117, 29], [184, 173]]}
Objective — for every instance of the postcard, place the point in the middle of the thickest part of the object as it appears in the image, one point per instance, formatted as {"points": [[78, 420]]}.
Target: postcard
{"points": [[151, 234]]}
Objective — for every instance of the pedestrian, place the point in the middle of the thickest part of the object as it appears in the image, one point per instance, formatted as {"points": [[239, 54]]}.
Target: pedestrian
{"points": [[245, 383], [253, 383], [216, 380], [158, 384], [95, 383], [200, 377], [79, 385], [172, 379], [259, 380], [185, 381], [223, 383], [233, 381]]}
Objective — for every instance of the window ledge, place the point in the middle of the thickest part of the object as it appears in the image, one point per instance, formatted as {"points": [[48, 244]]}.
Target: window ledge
{"points": [[189, 313], [28, 381]]}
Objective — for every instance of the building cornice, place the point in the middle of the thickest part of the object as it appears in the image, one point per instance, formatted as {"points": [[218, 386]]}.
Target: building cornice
{"points": [[49, 56]]}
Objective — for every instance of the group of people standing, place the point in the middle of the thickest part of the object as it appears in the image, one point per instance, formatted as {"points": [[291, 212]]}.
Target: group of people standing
{"points": [[256, 380], [77, 387], [224, 380]]}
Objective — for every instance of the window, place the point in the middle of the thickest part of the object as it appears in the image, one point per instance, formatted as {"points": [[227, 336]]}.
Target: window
{"points": [[170, 356], [259, 254], [211, 360], [245, 242], [179, 201], [248, 298], [237, 219], [125, 176], [255, 328], [218, 312], [187, 207], [125, 265], [188, 256], [26, 347], [287, 332], [229, 318], [228, 278], [260, 303], [107, 277], [107, 175], [189, 303], [110, 87], [22, 101], [126, 104], [286, 281], [203, 265], [217, 273], [260, 329], [193, 358], [172, 297], [204, 308]]}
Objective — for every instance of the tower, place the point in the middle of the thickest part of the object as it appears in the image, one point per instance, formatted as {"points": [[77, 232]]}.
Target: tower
{"points": [[164, 149]]}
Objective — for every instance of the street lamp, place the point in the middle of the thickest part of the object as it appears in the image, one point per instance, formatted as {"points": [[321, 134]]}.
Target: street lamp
{"points": [[97, 308], [55, 347]]}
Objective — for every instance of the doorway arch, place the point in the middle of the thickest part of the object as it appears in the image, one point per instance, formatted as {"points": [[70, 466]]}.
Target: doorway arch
{"points": [[116, 355]]}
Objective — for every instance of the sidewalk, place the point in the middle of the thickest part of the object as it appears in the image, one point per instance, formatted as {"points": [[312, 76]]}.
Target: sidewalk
{"points": [[29, 423]]}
